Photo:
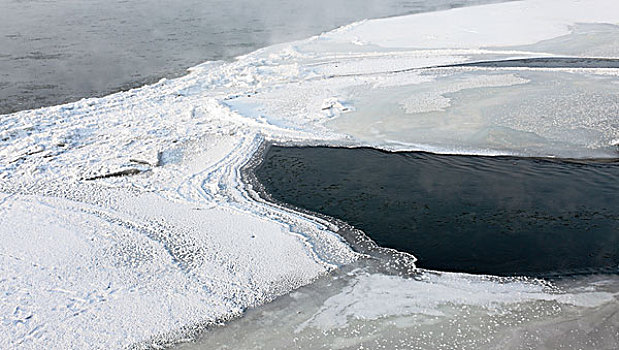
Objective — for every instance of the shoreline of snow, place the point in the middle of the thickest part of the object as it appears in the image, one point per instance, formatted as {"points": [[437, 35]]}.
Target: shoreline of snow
{"points": [[120, 260]]}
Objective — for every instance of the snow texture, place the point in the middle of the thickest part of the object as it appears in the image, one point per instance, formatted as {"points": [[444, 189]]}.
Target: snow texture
{"points": [[124, 221]]}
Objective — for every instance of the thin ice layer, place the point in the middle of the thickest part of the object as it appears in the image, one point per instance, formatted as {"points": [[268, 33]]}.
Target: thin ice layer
{"points": [[364, 309], [545, 112]]}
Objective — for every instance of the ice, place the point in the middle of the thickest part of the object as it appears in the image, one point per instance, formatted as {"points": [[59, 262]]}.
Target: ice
{"points": [[363, 308], [499, 25], [179, 242], [492, 111]]}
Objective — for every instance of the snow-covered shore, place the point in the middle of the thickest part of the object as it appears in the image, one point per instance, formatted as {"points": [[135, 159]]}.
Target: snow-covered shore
{"points": [[123, 219]]}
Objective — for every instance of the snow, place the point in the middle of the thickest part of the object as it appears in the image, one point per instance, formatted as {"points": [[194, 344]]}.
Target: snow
{"points": [[124, 219], [497, 25]]}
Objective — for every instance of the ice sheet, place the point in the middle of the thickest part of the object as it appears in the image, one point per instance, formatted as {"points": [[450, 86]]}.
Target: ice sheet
{"points": [[534, 112], [124, 218], [365, 309]]}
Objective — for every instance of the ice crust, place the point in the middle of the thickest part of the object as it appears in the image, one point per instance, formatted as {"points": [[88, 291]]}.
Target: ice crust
{"points": [[124, 221], [361, 309], [379, 296]]}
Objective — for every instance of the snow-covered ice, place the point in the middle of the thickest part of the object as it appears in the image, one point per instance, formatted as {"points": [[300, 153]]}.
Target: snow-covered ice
{"points": [[124, 220], [362, 309]]}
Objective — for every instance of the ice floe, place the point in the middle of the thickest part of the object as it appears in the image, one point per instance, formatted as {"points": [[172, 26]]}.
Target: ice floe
{"points": [[124, 219]]}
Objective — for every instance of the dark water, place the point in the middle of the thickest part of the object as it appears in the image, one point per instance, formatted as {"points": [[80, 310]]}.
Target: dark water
{"points": [[547, 62], [54, 51], [494, 215]]}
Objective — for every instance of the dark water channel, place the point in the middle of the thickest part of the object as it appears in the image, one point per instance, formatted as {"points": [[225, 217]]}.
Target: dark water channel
{"points": [[492, 215]]}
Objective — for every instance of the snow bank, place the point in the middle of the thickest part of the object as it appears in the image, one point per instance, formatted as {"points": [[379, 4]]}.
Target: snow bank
{"points": [[123, 219]]}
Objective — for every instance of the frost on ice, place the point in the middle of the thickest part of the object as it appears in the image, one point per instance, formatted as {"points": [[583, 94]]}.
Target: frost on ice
{"points": [[123, 219]]}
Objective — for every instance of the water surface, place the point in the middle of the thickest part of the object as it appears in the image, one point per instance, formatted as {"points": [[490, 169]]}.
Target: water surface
{"points": [[488, 215], [55, 51]]}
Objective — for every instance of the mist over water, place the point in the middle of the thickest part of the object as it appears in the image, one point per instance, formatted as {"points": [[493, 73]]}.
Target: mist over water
{"points": [[62, 50]]}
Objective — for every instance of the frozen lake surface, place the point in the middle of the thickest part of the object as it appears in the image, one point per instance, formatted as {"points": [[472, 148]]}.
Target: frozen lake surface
{"points": [[361, 307], [110, 206]]}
